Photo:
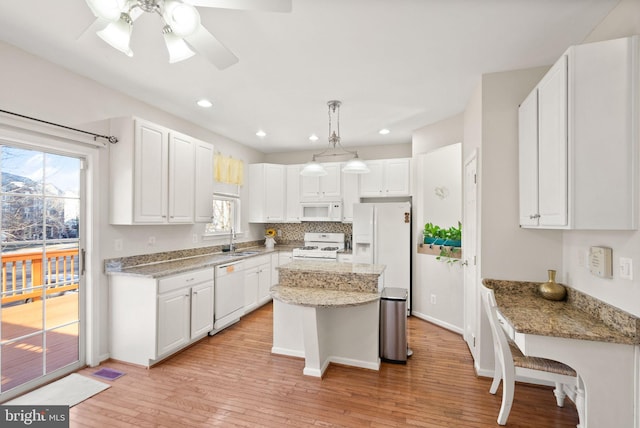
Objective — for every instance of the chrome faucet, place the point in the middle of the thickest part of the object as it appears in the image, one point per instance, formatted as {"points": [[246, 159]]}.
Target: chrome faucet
{"points": [[232, 246]]}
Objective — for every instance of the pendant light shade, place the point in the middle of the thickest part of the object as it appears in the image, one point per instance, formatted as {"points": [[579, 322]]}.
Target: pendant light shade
{"points": [[183, 18], [118, 34], [178, 48], [313, 169], [355, 166]]}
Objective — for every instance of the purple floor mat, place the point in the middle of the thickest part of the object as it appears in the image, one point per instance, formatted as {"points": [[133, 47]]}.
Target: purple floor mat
{"points": [[108, 374]]}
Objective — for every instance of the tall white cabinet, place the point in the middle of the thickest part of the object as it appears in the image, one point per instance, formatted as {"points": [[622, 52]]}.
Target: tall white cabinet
{"points": [[578, 140]]}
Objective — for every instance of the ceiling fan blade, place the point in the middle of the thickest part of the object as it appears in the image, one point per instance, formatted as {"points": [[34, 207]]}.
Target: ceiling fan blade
{"points": [[207, 45], [260, 5]]}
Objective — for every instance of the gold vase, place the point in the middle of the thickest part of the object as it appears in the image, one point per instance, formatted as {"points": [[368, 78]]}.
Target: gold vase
{"points": [[551, 290]]}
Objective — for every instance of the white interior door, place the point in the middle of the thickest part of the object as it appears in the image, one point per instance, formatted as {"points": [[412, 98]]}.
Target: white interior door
{"points": [[469, 246]]}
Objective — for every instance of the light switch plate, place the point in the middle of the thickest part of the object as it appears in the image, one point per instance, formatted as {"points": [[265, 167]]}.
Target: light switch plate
{"points": [[626, 268], [600, 261]]}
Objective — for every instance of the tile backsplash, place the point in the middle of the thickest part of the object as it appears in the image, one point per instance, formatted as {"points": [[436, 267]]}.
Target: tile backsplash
{"points": [[295, 231]]}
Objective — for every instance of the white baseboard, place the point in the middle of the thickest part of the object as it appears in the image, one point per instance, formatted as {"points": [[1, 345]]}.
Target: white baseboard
{"points": [[357, 363], [287, 352], [437, 322]]}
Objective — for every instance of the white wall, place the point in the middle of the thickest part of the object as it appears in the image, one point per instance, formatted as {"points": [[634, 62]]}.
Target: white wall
{"points": [[433, 278], [508, 251], [505, 250], [623, 21], [37, 88], [439, 134]]}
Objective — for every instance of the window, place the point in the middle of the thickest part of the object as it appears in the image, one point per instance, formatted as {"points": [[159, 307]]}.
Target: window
{"points": [[226, 214]]}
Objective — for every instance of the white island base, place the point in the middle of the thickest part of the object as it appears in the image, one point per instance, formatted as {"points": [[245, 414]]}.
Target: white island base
{"points": [[321, 335]]}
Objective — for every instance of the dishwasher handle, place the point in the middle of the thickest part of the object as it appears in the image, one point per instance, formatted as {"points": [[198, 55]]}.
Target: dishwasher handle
{"points": [[229, 268]]}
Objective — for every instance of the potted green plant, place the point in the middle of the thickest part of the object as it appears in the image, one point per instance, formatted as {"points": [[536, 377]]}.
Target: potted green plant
{"points": [[434, 234], [450, 249]]}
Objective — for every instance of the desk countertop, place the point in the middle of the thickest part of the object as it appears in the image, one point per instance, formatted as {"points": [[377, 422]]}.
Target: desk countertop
{"points": [[579, 317]]}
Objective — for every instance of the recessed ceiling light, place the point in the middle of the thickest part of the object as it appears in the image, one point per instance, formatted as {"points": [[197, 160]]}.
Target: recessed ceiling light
{"points": [[313, 137], [261, 134], [205, 103], [383, 131]]}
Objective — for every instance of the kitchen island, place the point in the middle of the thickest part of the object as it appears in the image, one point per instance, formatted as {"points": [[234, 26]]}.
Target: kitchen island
{"points": [[327, 312]]}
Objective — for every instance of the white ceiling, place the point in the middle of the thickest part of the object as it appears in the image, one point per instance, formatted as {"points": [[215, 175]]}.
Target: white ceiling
{"points": [[397, 64]]}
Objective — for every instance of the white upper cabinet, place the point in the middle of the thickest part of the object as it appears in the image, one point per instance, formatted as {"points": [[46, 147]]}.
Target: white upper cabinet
{"points": [[578, 141], [152, 174], [327, 187], [293, 211], [266, 193], [204, 182], [387, 177], [181, 178]]}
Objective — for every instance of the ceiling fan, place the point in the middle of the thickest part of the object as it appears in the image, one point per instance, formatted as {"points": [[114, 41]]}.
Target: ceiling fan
{"points": [[182, 30]]}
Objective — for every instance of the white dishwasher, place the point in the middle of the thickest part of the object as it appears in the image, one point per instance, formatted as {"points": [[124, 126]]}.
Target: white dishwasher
{"points": [[229, 294]]}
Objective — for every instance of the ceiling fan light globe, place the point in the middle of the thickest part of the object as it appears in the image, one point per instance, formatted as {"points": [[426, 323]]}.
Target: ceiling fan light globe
{"points": [[313, 169], [107, 9], [355, 166], [178, 49], [183, 18], [118, 34]]}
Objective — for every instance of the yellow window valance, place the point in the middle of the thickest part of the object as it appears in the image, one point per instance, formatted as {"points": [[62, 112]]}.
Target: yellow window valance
{"points": [[228, 170]]}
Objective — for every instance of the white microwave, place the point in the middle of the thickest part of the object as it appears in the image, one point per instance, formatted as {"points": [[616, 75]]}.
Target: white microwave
{"points": [[322, 211]]}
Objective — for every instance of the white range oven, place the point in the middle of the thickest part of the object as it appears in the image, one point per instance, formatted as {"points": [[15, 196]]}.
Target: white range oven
{"points": [[322, 247]]}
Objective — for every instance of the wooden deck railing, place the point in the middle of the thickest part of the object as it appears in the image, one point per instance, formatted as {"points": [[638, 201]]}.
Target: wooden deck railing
{"points": [[24, 274]]}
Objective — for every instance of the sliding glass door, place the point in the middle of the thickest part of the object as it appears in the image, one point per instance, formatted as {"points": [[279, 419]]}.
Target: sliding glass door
{"points": [[40, 314]]}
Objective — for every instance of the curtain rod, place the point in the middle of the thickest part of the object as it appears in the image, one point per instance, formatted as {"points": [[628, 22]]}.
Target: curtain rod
{"points": [[109, 138]]}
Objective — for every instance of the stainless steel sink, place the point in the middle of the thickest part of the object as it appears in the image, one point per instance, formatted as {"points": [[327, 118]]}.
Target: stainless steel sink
{"points": [[246, 253]]}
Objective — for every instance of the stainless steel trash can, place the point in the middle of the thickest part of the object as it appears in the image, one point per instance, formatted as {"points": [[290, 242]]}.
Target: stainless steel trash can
{"points": [[393, 325]]}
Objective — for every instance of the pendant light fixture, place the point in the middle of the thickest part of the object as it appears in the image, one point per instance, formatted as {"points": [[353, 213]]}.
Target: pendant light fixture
{"points": [[353, 166]]}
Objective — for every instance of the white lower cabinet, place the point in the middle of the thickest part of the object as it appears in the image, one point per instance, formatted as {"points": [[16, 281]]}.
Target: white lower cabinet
{"points": [[151, 318], [257, 281], [173, 321]]}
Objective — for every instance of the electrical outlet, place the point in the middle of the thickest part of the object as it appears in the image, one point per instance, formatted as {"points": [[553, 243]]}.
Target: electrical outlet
{"points": [[151, 241], [195, 238], [117, 244], [433, 299]]}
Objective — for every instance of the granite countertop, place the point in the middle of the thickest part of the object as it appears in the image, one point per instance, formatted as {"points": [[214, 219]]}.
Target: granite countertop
{"points": [[166, 264], [323, 284], [333, 267], [320, 297], [579, 317]]}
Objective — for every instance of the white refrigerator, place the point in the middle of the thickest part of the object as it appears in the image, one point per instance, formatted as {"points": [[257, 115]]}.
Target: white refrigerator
{"points": [[382, 235]]}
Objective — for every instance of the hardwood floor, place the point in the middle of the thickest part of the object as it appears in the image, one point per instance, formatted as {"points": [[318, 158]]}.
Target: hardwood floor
{"points": [[232, 380]]}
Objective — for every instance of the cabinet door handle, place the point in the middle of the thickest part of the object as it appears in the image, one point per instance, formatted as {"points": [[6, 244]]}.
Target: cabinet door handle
{"points": [[534, 216]]}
